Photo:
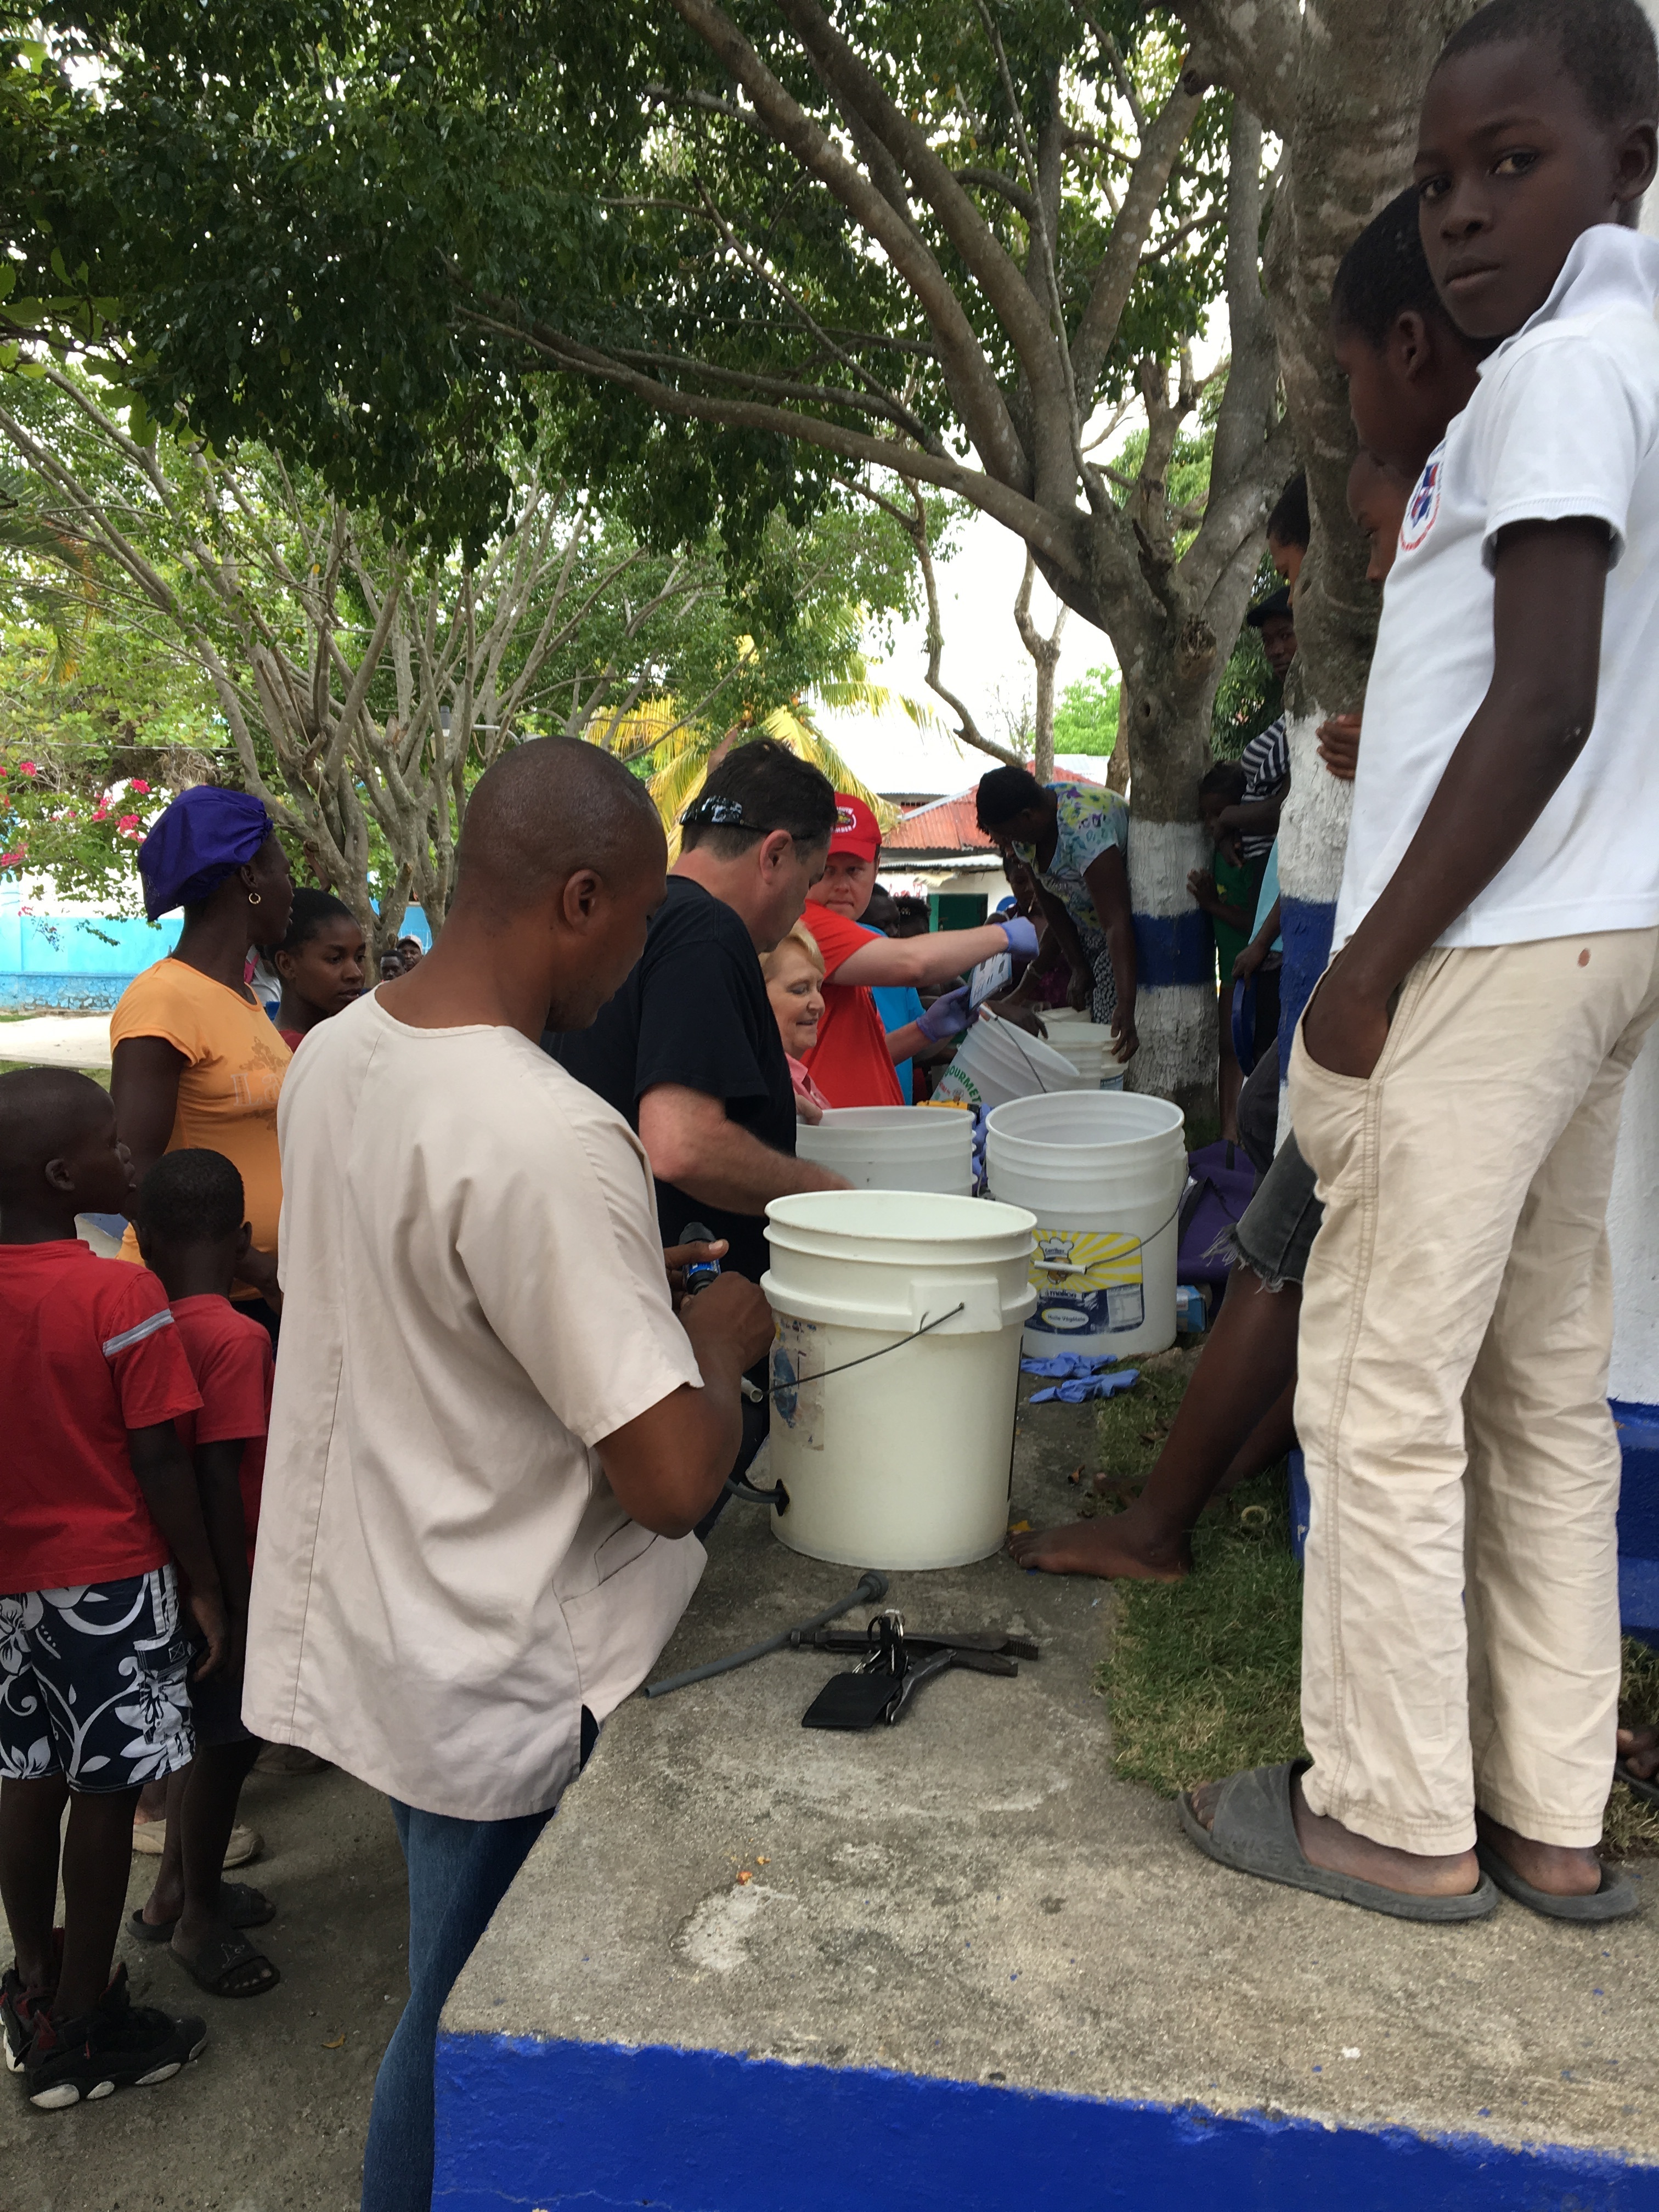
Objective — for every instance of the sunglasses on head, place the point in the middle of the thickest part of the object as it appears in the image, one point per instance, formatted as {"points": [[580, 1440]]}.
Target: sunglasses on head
{"points": [[715, 813]]}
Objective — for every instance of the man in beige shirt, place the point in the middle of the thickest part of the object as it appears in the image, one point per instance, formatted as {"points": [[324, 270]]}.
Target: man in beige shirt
{"points": [[491, 1435]]}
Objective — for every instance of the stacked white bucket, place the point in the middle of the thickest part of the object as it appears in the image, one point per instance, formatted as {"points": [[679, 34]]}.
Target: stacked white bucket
{"points": [[1087, 1045], [893, 1147], [1103, 1173], [894, 1371]]}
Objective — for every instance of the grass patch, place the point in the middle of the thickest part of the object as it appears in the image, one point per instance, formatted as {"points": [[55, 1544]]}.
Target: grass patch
{"points": [[1631, 1830], [1204, 1677], [100, 1075]]}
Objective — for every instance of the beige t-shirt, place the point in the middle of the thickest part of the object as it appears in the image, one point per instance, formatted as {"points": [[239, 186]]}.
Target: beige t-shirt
{"points": [[474, 1297]]}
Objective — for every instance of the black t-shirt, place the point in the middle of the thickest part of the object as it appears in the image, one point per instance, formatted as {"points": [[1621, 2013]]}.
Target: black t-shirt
{"points": [[695, 1012]]}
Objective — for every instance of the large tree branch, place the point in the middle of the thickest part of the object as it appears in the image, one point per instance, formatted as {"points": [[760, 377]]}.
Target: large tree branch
{"points": [[855, 89], [1114, 278], [1256, 46], [973, 386], [1053, 535]]}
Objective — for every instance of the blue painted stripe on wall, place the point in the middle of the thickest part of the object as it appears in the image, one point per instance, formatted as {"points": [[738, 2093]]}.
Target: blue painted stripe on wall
{"points": [[1305, 925], [1638, 1517], [525, 2122], [1173, 948]]}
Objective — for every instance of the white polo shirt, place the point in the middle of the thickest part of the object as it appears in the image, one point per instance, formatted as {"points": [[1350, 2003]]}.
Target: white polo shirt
{"points": [[474, 1297], [1564, 422]]}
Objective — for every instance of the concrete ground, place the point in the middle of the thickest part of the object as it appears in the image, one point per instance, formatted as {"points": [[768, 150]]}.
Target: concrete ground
{"points": [[974, 1894], [271, 2117], [56, 1040]]}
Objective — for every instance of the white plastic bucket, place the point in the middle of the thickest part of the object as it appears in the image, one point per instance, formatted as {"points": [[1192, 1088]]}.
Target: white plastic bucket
{"points": [[1104, 1171], [1088, 1046], [998, 1061], [901, 1460], [893, 1147]]}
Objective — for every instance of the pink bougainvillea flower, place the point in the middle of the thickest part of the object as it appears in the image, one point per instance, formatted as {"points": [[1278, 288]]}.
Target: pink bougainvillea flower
{"points": [[139, 786], [12, 860], [28, 768], [99, 813], [127, 824]]}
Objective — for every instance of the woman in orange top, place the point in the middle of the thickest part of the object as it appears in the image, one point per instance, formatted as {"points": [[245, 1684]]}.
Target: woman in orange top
{"points": [[196, 1060]]}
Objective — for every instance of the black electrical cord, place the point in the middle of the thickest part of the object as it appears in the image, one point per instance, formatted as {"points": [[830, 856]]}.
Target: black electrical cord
{"points": [[872, 1587]]}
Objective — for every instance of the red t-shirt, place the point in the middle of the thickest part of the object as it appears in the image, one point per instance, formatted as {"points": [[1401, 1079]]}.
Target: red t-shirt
{"points": [[850, 1062], [230, 1358], [88, 1350]]}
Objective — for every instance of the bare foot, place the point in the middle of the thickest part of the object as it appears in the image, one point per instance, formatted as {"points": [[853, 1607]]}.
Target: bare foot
{"points": [[1638, 1747], [1116, 1545], [1326, 1842], [1558, 1869]]}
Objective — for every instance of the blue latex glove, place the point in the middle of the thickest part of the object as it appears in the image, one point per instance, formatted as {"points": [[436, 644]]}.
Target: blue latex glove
{"points": [[1089, 1386], [1021, 935], [947, 1017], [1066, 1363]]}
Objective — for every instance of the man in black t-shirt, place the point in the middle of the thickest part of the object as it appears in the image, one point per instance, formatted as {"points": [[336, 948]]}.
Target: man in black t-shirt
{"points": [[688, 1051]]}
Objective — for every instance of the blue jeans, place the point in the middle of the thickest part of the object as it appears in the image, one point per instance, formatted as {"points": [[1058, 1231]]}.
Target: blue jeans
{"points": [[458, 1873]]}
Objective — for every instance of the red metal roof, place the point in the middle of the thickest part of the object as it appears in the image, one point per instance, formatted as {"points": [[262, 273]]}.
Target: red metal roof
{"points": [[945, 825]]}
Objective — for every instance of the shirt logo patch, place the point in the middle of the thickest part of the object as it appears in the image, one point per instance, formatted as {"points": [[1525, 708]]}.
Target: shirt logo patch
{"points": [[1423, 505]]}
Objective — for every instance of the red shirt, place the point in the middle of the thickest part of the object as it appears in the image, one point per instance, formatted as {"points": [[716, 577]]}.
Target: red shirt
{"points": [[230, 1358], [850, 1062], [88, 1351]]}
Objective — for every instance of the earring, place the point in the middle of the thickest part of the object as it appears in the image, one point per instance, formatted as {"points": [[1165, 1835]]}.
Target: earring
{"points": [[253, 898]]}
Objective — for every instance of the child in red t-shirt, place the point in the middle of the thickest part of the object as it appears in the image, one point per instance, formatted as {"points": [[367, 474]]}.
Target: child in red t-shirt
{"points": [[193, 1235], [97, 1501]]}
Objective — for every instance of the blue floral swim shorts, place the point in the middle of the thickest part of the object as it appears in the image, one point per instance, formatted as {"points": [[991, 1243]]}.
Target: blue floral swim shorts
{"points": [[94, 1683]]}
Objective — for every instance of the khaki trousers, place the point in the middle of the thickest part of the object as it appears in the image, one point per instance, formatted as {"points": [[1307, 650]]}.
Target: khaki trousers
{"points": [[1451, 1400]]}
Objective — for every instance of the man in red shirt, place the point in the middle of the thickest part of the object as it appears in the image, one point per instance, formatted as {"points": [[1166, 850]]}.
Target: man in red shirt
{"points": [[97, 1501], [853, 1061]]}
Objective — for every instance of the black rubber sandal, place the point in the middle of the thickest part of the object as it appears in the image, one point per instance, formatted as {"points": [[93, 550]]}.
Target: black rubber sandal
{"points": [[221, 1965], [1616, 1899], [240, 1903], [1254, 1833]]}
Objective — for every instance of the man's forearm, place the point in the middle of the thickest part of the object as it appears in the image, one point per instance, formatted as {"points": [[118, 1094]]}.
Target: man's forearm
{"points": [[719, 1163], [921, 963]]}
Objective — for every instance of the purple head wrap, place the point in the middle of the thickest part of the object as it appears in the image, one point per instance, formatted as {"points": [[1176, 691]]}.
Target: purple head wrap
{"points": [[206, 835]]}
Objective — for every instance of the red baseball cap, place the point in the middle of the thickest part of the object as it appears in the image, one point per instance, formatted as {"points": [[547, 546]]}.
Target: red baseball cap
{"points": [[857, 830]]}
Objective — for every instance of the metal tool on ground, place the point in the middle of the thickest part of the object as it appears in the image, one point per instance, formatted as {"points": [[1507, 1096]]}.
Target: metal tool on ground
{"points": [[897, 1665], [871, 1589]]}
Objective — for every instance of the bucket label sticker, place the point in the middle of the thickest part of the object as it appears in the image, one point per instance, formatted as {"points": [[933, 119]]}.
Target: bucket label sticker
{"points": [[798, 1380], [1088, 1281]]}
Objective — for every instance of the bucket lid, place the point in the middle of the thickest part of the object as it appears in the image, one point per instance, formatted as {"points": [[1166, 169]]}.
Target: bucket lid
{"points": [[897, 1224]]}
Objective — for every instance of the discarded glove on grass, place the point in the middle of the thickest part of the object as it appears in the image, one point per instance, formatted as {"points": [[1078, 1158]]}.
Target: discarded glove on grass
{"points": [[1080, 1383]]}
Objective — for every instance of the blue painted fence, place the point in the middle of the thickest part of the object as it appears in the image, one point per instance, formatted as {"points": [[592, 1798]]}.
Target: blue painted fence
{"points": [[81, 963], [76, 963]]}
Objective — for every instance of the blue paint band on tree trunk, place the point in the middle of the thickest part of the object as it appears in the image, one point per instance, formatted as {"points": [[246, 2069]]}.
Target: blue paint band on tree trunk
{"points": [[1638, 1517], [524, 2122], [1305, 925], [1174, 948]]}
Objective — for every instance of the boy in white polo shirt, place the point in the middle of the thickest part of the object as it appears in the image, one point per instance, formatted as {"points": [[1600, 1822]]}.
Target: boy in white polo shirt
{"points": [[1456, 1081]]}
